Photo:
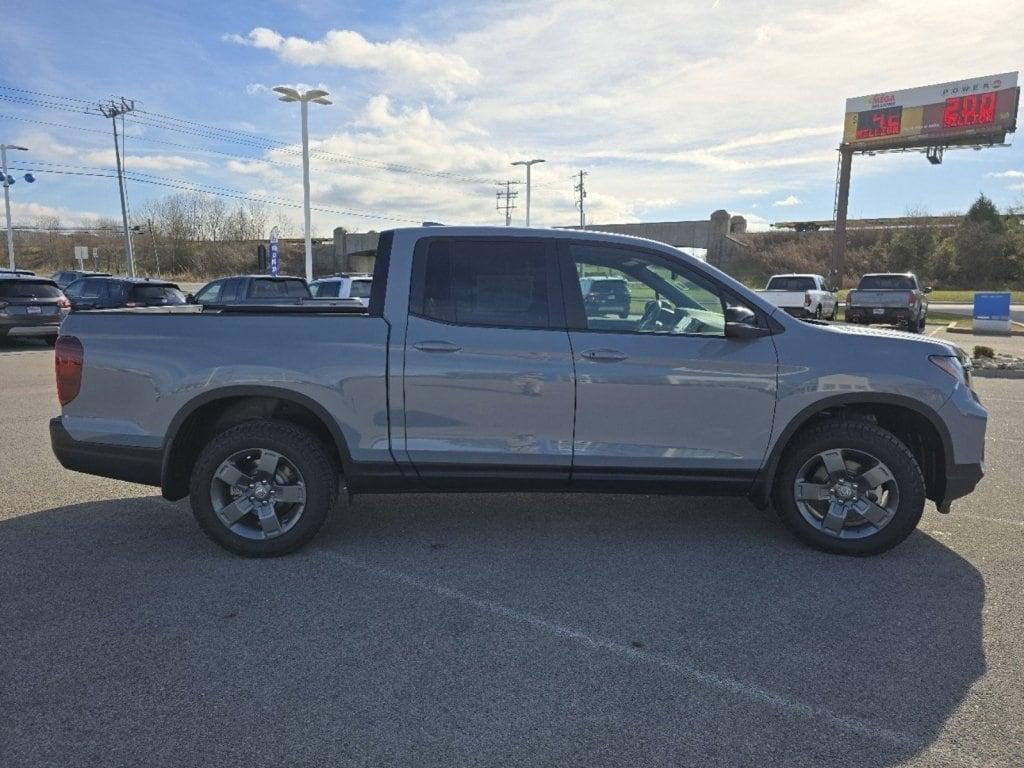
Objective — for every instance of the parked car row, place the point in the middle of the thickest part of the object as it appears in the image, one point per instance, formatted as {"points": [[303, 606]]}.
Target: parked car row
{"points": [[879, 299]]}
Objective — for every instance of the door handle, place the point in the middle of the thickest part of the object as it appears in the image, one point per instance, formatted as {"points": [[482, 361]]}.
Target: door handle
{"points": [[436, 346], [604, 355]]}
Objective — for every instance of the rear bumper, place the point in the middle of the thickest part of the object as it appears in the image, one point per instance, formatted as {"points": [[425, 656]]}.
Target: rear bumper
{"points": [[24, 326], [136, 465], [888, 316]]}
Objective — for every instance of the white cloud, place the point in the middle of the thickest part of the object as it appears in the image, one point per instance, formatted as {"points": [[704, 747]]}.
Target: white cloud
{"points": [[27, 214], [142, 162], [1008, 175], [751, 191], [788, 201], [256, 88], [443, 71]]}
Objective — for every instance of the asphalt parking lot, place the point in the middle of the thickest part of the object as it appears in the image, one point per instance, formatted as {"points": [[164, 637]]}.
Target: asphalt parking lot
{"points": [[499, 630]]}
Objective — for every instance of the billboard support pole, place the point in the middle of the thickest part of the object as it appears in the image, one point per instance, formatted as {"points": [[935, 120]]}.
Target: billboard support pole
{"points": [[842, 204]]}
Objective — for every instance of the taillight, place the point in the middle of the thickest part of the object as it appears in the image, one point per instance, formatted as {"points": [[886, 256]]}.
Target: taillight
{"points": [[912, 300], [807, 299], [67, 362], [64, 304], [133, 304]]}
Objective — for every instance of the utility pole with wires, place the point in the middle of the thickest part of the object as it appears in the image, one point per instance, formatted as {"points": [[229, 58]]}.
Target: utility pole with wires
{"points": [[506, 200], [581, 195], [113, 110]]}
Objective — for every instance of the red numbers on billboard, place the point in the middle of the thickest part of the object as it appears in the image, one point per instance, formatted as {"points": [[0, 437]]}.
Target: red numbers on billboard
{"points": [[973, 109], [879, 122]]}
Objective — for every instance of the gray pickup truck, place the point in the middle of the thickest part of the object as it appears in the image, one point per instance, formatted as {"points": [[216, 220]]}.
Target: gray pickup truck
{"points": [[889, 299], [477, 366]]}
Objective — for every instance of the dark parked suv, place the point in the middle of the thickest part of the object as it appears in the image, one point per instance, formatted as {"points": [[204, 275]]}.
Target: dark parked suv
{"points": [[30, 306], [606, 295], [119, 292]]}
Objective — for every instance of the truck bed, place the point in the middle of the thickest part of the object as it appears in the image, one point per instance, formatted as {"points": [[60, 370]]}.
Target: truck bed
{"points": [[160, 361]]}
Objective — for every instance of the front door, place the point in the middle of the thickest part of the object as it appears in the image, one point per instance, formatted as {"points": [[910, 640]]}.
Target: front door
{"points": [[488, 378], [662, 393]]}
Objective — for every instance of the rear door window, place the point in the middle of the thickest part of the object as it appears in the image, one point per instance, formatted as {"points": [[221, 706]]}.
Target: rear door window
{"points": [[360, 289], [504, 283]]}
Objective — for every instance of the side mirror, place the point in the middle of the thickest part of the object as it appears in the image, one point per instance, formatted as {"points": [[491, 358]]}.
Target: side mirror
{"points": [[741, 323], [926, 290]]}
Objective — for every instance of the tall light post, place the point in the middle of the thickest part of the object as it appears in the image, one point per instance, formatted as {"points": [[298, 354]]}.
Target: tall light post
{"points": [[317, 96], [7, 197], [528, 164]]}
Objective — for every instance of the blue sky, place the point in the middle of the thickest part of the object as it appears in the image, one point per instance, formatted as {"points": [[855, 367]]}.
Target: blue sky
{"points": [[674, 109]]}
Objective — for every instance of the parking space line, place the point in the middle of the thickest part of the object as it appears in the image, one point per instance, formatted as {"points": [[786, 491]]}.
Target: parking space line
{"points": [[1003, 400], [1004, 439], [779, 701]]}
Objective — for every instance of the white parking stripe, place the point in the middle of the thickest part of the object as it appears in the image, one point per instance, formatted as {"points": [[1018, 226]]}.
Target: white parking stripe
{"points": [[765, 696], [1004, 439], [992, 519]]}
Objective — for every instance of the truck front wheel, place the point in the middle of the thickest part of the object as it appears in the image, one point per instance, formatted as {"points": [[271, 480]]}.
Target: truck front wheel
{"points": [[263, 488], [848, 486]]}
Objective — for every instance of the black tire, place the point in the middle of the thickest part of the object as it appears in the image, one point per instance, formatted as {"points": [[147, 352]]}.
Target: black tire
{"points": [[301, 448], [852, 435], [835, 311], [623, 315], [924, 322], [817, 312], [51, 341]]}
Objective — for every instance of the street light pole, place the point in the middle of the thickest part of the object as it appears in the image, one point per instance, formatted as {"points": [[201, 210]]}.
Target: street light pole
{"points": [[528, 164], [318, 97], [7, 199]]}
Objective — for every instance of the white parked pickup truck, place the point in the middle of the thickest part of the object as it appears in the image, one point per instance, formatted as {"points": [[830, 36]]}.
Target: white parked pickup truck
{"points": [[802, 296]]}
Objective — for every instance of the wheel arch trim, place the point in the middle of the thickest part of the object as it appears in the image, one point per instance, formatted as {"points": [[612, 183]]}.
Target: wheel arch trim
{"points": [[250, 390], [761, 489]]}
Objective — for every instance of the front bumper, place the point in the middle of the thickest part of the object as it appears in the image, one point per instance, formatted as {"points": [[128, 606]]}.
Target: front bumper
{"points": [[961, 479], [120, 462]]}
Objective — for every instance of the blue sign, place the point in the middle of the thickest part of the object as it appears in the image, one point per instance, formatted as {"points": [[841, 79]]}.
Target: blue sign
{"points": [[992, 306], [273, 252]]}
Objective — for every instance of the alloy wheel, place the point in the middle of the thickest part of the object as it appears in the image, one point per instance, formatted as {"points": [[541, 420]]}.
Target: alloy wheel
{"points": [[846, 493], [258, 493]]}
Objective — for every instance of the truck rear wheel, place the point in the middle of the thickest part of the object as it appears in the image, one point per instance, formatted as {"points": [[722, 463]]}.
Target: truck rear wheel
{"points": [[848, 486], [263, 488]]}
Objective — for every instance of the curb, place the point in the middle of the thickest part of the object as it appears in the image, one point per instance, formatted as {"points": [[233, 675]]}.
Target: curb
{"points": [[997, 373]]}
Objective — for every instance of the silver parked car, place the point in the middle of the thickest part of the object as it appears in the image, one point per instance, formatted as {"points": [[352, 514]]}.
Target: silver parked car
{"points": [[31, 307], [478, 365]]}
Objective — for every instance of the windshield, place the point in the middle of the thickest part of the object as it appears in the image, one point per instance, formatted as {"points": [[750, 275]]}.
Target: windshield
{"points": [[886, 283], [28, 289], [164, 294], [794, 283]]}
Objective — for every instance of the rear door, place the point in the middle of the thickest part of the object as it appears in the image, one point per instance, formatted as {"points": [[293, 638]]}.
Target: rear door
{"points": [[663, 395], [488, 376]]}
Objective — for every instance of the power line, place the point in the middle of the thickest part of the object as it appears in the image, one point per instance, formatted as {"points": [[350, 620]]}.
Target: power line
{"points": [[202, 130], [188, 186], [509, 204]]}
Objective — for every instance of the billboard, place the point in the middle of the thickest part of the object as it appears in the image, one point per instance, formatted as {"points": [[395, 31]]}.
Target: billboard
{"points": [[980, 110]]}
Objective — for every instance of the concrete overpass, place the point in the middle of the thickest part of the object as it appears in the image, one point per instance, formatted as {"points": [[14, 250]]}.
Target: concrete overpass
{"points": [[355, 251]]}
